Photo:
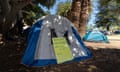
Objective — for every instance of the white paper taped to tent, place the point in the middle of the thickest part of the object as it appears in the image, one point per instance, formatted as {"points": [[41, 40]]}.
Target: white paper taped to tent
{"points": [[42, 51]]}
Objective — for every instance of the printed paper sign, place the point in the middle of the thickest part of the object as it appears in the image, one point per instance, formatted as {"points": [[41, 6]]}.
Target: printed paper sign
{"points": [[62, 50]]}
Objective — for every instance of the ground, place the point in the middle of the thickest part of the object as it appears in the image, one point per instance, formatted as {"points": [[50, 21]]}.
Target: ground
{"points": [[106, 58]]}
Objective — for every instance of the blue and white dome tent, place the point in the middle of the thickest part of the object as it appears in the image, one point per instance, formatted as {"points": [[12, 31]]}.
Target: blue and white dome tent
{"points": [[54, 40], [95, 36]]}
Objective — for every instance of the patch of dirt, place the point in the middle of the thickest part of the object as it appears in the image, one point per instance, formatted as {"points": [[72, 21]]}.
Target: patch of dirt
{"points": [[106, 58]]}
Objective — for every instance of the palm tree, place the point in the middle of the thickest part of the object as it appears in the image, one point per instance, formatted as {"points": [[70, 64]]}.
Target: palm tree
{"points": [[75, 12], [83, 16], [79, 14]]}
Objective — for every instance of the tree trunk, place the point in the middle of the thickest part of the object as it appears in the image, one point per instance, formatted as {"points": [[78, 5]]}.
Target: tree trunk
{"points": [[74, 14], [83, 16], [79, 14], [10, 17], [108, 28], [4, 4]]}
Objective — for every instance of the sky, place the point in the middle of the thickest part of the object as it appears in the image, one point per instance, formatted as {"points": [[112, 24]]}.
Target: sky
{"points": [[54, 8], [95, 11]]}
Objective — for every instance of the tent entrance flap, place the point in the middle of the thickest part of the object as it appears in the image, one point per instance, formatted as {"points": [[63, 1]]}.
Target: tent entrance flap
{"points": [[62, 50]]}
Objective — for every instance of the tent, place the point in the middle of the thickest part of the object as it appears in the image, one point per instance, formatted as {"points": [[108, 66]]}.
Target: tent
{"points": [[95, 36], [54, 40]]}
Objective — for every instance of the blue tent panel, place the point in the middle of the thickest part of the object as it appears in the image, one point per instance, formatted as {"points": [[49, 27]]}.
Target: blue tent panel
{"points": [[83, 46], [95, 36]]}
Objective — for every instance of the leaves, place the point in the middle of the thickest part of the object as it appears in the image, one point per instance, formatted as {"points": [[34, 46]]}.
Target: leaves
{"points": [[108, 13], [63, 8], [47, 3]]}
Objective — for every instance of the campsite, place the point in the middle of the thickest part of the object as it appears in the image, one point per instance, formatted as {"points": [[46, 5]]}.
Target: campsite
{"points": [[59, 35], [106, 58]]}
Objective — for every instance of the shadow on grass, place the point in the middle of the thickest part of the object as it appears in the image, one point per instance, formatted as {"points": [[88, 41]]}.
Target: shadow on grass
{"points": [[103, 60]]}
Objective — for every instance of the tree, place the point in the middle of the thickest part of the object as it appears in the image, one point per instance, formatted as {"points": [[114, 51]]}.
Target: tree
{"points": [[108, 13], [85, 7], [32, 12], [63, 8], [10, 9], [79, 14]]}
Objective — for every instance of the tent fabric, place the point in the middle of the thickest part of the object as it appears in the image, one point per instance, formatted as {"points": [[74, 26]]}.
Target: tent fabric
{"points": [[40, 49], [95, 36]]}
